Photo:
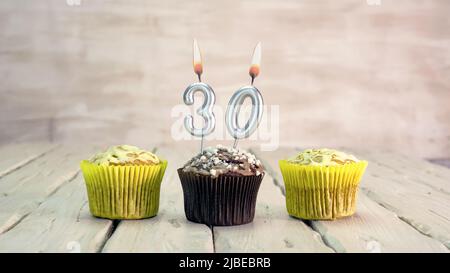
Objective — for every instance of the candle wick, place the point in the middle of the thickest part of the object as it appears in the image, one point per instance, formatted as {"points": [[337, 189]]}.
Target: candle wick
{"points": [[253, 79], [201, 145], [199, 77]]}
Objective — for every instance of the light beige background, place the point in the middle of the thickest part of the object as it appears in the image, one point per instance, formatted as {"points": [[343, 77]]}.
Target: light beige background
{"points": [[344, 73]]}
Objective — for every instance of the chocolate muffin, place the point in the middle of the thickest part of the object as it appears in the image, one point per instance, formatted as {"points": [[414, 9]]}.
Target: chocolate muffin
{"points": [[220, 186]]}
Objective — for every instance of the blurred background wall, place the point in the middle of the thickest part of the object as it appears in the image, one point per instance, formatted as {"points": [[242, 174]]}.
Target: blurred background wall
{"points": [[367, 74]]}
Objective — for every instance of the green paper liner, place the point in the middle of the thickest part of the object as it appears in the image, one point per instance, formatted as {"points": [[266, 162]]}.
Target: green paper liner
{"points": [[321, 192], [222, 201], [123, 192]]}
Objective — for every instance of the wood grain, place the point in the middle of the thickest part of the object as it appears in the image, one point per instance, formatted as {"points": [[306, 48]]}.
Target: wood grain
{"points": [[403, 206], [272, 230], [375, 222], [23, 191], [15, 156], [374, 229], [414, 170], [169, 231], [423, 207], [62, 223]]}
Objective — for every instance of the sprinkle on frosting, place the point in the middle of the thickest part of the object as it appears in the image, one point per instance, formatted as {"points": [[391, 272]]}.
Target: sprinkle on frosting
{"points": [[322, 157], [215, 161], [123, 155]]}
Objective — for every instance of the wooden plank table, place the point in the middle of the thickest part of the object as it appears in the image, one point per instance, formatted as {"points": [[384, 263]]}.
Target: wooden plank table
{"points": [[403, 206]]}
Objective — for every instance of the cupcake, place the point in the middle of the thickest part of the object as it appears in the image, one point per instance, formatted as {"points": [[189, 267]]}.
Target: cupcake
{"points": [[322, 183], [123, 183], [220, 186]]}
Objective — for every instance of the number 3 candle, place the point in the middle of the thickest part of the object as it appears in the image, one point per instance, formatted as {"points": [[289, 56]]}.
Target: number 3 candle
{"points": [[206, 110], [238, 98]]}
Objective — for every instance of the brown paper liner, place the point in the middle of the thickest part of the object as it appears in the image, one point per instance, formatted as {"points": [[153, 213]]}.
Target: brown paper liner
{"points": [[222, 201]]}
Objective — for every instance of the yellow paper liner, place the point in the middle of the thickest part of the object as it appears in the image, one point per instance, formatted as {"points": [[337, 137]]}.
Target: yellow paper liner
{"points": [[123, 192], [321, 192]]}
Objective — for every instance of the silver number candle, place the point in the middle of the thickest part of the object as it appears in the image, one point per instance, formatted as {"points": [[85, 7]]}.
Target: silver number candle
{"points": [[238, 98], [206, 110], [234, 108]]}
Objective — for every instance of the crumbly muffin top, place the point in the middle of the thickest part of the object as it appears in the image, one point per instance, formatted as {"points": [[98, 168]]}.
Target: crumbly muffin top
{"points": [[215, 161], [322, 157], [125, 155]]}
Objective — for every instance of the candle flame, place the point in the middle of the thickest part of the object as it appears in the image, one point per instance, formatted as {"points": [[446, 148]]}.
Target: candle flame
{"points": [[256, 62], [197, 59]]}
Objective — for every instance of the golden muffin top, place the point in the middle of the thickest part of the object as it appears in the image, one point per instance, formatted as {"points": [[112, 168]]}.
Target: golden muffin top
{"points": [[125, 155], [322, 157]]}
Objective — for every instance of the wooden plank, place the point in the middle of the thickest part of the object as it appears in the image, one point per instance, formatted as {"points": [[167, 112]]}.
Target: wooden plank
{"points": [[374, 229], [24, 190], [15, 156], [383, 224], [272, 230], [393, 179], [413, 170], [169, 231], [421, 206], [270, 162], [62, 223], [413, 190]]}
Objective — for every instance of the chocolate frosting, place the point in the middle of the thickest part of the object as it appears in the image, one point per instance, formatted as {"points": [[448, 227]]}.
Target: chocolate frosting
{"points": [[220, 160]]}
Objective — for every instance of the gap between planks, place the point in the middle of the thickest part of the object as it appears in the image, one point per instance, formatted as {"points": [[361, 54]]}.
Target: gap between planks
{"points": [[19, 155], [25, 189], [52, 181], [429, 245], [158, 234], [114, 224], [429, 213], [61, 220], [62, 223], [272, 230], [169, 231], [277, 181], [112, 230]]}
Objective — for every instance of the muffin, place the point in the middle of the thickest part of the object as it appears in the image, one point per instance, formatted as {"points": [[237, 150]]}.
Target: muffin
{"points": [[220, 186], [123, 182], [322, 184]]}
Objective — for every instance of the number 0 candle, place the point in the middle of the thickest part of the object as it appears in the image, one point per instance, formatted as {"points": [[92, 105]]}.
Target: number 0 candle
{"points": [[238, 98]]}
